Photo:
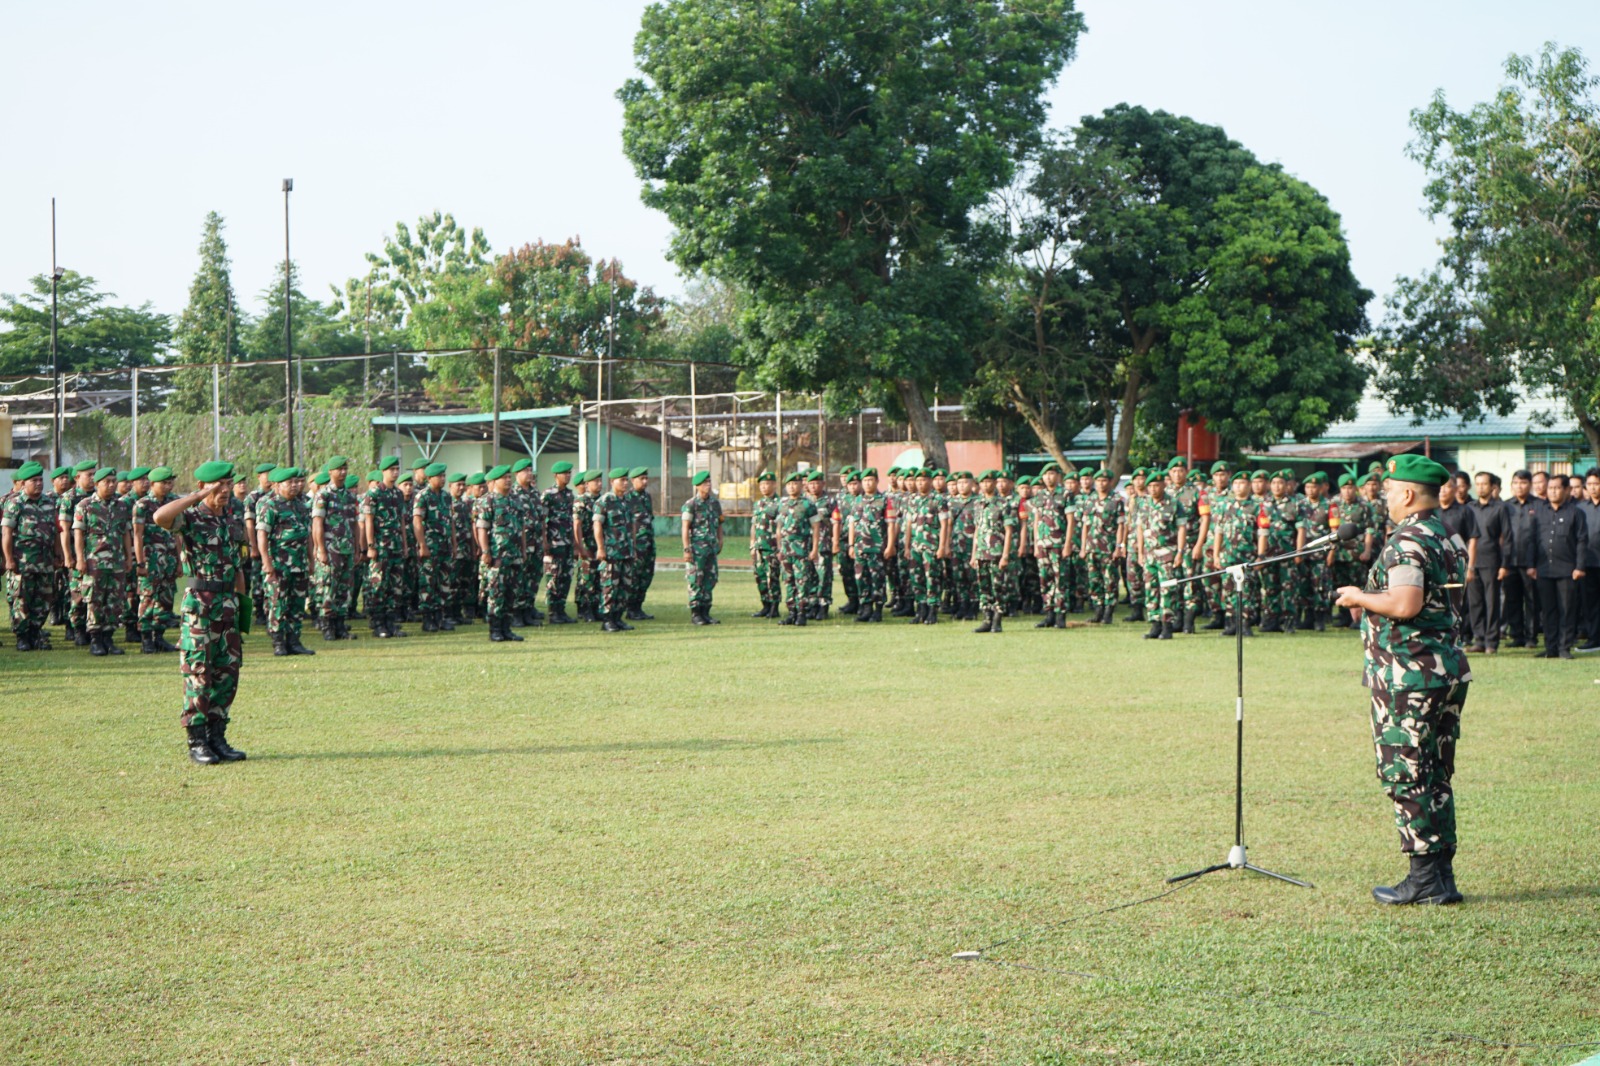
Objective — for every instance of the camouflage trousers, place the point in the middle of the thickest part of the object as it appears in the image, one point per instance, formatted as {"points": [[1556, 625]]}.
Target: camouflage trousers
{"points": [[1101, 570], [642, 573], [433, 580], [588, 587], [1313, 586], [331, 582], [992, 583], [1277, 588], [701, 574], [385, 575], [768, 583], [158, 587], [847, 577], [1053, 580], [614, 590], [61, 595], [77, 606], [899, 569], [1160, 603], [130, 600], [1077, 580], [1134, 576], [464, 584], [104, 595], [29, 593], [526, 590], [1250, 598], [1011, 587], [796, 571], [286, 602], [927, 577], [819, 580], [870, 577], [499, 589], [253, 581], [963, 578], [209, 654], [559, 570], [1191, 595], [1414, 734]]}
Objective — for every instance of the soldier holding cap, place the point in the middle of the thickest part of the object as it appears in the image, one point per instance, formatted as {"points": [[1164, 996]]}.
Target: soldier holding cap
{"points": [[1417, 672]]}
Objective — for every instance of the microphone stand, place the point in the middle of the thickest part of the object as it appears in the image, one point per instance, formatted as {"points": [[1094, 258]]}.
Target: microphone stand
{"points": [[1237, 859]]}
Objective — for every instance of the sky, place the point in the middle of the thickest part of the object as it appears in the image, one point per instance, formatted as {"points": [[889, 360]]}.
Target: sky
{"points": [[140, 118]]}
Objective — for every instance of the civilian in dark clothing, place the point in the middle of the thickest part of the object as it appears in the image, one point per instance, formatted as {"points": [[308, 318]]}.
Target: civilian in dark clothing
{"points": [[1589, 587], [1522, 591], [1555, 557], [1496, 553]]}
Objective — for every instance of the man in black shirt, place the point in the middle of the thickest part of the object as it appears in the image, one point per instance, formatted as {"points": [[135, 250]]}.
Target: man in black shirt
{"points": [[1589, 587], [1555, 559], [1496, 553], [1522, 592]]}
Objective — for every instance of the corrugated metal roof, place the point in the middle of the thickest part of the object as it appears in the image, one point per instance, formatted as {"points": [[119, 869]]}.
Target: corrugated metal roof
{"points": [[1374, 420]]}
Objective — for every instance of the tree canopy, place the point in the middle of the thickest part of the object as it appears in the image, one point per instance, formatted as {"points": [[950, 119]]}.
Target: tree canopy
{"points": [[92, 333]]}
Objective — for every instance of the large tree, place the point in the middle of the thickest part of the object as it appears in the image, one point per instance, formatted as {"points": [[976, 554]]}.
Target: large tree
{"points": [[1513, 306], [1199, 279], [91, 332], [410, 269], [209, 328], [827, 159]]}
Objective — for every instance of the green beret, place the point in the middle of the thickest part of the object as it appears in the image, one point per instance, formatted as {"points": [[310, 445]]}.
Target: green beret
{"points": [[893, 470], [1418, 469], [1219, 467], [520, 465], [1258, 474], [335, 462], [215, 470], [60, 471], [103, 473], [1140, 471], [1087, 471], [617, 472], [816, 475], [322, 478], [870, 471], [458, 477], [850, 474], [420, 464], [959, 474], [1319, 477], [563, 467], [796, 476], [1102, 472], [847, 470], [497, 472], [266, 468], [283, 473], [28, 470], [766, 475], [988, 475], [1374, 467], [1177, 461], [1363, 479], [138, 472], [373, 475], [388, 464], [1346, 479], [1049, 467], [122, 475], [1286, 473], [939, 471], [162, 473], [701, 478], [475, 479], [639, 471], [435, 469], [1240, 475], [84, 467]]}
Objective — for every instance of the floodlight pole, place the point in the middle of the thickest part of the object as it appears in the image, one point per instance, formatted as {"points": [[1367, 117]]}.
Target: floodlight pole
{"points": [[55, 353], [288, 327], [494, 450]]}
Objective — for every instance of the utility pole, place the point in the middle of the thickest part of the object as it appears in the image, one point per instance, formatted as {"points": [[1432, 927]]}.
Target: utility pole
{"points": [[55, 354], [288, 327]]}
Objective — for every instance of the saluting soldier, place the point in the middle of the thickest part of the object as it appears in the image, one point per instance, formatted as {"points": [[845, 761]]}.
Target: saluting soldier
{"points": [[502, 541], [613, 534], [155, 555], [1417, 671], [702, 543], [209, 653], [799, 528], [28, 540], [103, 543], [764, 544], [558, 540]]}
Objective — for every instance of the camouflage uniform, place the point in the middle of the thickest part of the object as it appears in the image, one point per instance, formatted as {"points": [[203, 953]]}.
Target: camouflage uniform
{"points": [[1234, 524], [1313, 580], [209, 653], [643, 572], [1159, 524], [705, 527], [434, 507], [1418, 675], [130, 587], [158, 585], [870, 516], [819, 575], [844, 503], [504, 518], [66, 512], [1348, 569], [33, 546], [337, 509], [1193, 501], [588, 589], [1279, 519], [764, 542], [252, 500], [1011, 577], [1132, 572], [288, 533], [1103, 519], [386, 568], [533, 521], [558, 504], [1048, 513], [106, 530], [923, 518], [615, 516], [963, 579], [992, 517], [463, 559], [797, 517]]}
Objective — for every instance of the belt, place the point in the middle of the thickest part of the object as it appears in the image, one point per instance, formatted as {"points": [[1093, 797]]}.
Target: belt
{"points": [[211, 586]]}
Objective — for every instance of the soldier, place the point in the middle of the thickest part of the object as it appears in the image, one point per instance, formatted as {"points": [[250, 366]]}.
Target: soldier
{"points": [[872, 516], [526, 494], [383, 533], [60, 601], [66, 507], [1418, 675], [155, 554], [283, 540], [252, 500], [28, 540], [926, 520], [558, 540], [502, 542], [433, 529], [1280, 529], [819, 576], [336, 543], [1213, 596], [1348, 559], [850, 484], [1163, 542], [764, 544], [1005, 488], [963, 579], [613, 534], [137, 485], [994, 535], [103, 545], [1314, 584], [1102, 543], [588, 587], [644, 543], [1234, 527], [799, 533], [1050, 534], [899, 564], [1133, 501], [463, 552], [209, 651], [1194, 512], [702, 543]]}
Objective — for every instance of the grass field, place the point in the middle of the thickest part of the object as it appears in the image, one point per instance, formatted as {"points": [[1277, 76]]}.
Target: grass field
{"points": [[757, 844]]}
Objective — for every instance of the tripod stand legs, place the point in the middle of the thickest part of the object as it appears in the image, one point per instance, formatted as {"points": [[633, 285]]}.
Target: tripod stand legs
{"points": [[1237, 861]]}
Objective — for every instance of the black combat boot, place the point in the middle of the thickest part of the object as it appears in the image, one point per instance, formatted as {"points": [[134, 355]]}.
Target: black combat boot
{"points": [[1099, 613], [1447, 859], [1319, 621], [375, 623], [330, 629], [1154, 631], [507, 633], [1246, 625], [800, 617], [987, 625], [131, 634], [765, 612], [920, 614], [147, 644], [1424, 883], [217, 731], [200, 750], [1047, 622], [442, 620], [495, 635], [706, 614], [877, 612], [535, 616], [997, 615], [638, 615], [429, 625], [279, 647], [393, 626], [1217, 620], [108, 643], [24, 641], [609, 624], [292, 642], [865, 614], [1110, 617], [1061, 621], [1228, 628], [788, 619], [850, 607], [822, 612], [1135, 615], [1166, 631], [95, 645], [559, 615], [1271, 625], [1188, 622], [697, 618], [931, 618], [81, 637]]}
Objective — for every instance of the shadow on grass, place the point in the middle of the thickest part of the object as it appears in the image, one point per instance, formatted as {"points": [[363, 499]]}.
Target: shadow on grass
{"points": [[1534, 895], [552, 749]]}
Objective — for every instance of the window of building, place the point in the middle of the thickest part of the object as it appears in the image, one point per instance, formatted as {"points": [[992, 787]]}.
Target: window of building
{"points": [[1551, 458]]}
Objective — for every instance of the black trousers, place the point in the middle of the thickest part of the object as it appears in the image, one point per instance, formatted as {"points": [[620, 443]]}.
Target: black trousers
{"points": [[1483, 607], [1589, 607], [1522, 607], [1559, 597]]}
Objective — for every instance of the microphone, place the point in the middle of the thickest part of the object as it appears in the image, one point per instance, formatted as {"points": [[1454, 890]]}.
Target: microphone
{"points": [[1345, 533]]}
